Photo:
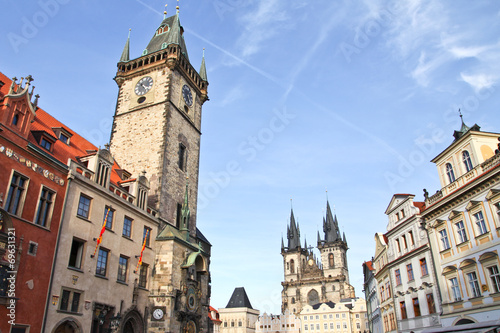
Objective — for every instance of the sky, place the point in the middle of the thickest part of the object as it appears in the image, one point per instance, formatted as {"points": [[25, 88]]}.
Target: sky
{"points": [[345, 100]]}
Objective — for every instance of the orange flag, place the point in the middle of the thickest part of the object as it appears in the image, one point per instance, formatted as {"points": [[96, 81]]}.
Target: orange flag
{"points": [[103, 228], [143, 246]]}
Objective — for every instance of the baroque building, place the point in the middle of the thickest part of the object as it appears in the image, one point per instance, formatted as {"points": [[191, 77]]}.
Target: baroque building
{"points": [[463, 222], [311, 280]]}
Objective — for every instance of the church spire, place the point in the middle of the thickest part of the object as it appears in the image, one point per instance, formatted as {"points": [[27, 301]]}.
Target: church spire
{"points": [[293, 233], [126, 50], [203, 69], [330, 225]]}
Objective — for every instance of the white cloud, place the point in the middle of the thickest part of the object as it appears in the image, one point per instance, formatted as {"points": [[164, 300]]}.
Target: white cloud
{"points": [[479, 81], [235, 94]]}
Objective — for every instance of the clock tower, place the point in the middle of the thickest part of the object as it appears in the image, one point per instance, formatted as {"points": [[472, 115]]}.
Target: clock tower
{"points": [[157, 122]]}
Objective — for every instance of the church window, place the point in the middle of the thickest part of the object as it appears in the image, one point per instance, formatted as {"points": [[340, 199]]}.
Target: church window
{"points": [[313, 297], [331, 261], [293, 300], [467, 161], [292, 266], [450, 173], [179, 215]]}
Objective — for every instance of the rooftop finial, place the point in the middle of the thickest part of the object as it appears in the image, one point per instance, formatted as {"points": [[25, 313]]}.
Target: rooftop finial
{"points": [[291, 203], [165, 12], [177, 7], [129, 30]]}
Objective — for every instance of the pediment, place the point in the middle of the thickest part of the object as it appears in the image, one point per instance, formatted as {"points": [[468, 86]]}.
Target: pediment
{"points": [[396, 200], [454, 214], [472, 204], [467, 263], [488, 256], [493, 193], [449, 270]]}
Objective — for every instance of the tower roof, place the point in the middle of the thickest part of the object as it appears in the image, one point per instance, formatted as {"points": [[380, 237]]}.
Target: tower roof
{"points": [[169, 32], [330, 225], [126, 50], [239, 299], [464, 129], [293, 233], [203, 69]]}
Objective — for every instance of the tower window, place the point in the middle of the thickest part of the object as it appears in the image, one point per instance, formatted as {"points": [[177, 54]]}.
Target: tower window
{"points": [[331, 261], [450, 173], [467, 161], [179, 215], [292, 266], [182, 156]]}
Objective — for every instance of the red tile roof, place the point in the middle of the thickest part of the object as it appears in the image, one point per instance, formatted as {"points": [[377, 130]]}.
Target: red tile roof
{"points": [[210, 309], [419, 205]]}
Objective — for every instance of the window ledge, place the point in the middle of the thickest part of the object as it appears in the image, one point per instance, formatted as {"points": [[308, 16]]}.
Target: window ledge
{"points": [[127, 237], [70, 312], [142, 288], [122, 282], [75, 269], [482, 235], [110, 230], [83, 218], [101, 276], [29, 222], [464, 242]]}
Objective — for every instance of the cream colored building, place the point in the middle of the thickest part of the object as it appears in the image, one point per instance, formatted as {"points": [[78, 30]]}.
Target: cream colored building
{"points": [[238, 316], [346, 316], [286, 322], [463, 223]]}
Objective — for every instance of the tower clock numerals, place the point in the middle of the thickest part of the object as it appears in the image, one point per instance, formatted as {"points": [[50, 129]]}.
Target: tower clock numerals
{"points": [[144, 85], [187, 95]]}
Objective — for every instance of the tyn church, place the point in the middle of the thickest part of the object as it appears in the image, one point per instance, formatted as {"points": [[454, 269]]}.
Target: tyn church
{"points": [[311, 280]]}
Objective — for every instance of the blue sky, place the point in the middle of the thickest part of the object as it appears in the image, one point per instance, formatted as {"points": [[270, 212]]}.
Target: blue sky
{"points": [[353, 97]]}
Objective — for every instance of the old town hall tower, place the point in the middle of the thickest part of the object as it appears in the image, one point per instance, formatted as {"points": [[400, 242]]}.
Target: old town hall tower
{"points": [[156, 132], [157, 123], [311, 280]]}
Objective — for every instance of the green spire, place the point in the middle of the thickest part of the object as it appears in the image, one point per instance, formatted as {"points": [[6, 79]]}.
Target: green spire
{"points": [[174, 37], [203, 69], [126, 50]]}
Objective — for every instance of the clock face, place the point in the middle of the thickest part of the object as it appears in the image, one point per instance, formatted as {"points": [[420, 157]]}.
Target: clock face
{"points": [[310, 262], [186, 93], [144, 85], [158, 314]]}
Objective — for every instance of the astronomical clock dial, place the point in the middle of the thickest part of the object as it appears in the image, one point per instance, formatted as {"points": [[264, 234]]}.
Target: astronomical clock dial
{"points": [[187, 95], [191, 299], [143, 86]]}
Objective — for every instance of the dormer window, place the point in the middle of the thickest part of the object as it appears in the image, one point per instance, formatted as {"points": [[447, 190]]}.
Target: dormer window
{"points": [[162, 30], [46, 143], [450, 173], [163, 46], [142, 198], [467, 161], [64, 138], [145, 52]]}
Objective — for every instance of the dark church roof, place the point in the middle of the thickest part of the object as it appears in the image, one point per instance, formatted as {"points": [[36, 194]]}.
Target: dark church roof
{"points": [[239, 299]]}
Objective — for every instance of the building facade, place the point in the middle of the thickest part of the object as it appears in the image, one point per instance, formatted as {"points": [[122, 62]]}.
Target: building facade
{"points": [[346, 316], [372, 302], [412, 281], [286, 322], [463, 223], [238, 316], [311, 280], [32, 192]]}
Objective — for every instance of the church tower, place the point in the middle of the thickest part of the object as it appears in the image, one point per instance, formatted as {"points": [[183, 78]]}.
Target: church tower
{"points": [[157, 122], [311, 280]]}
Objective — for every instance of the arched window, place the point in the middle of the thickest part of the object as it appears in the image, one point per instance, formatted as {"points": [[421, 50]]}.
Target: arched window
{"points": [[293, 300], [467, 161], [15, 120], [450, 173], [331, 262], [312, 297], [292, 266]]}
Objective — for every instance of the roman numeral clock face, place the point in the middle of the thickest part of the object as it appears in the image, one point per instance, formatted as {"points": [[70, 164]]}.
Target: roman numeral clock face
{"points": [[187, 95], [143, 86]]}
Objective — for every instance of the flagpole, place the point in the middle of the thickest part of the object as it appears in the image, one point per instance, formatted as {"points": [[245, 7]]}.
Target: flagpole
{"points": [[103, 228]]}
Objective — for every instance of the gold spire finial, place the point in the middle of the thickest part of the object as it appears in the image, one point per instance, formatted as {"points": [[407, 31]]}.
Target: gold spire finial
{"points": [[165, 12], [177, 7]]}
